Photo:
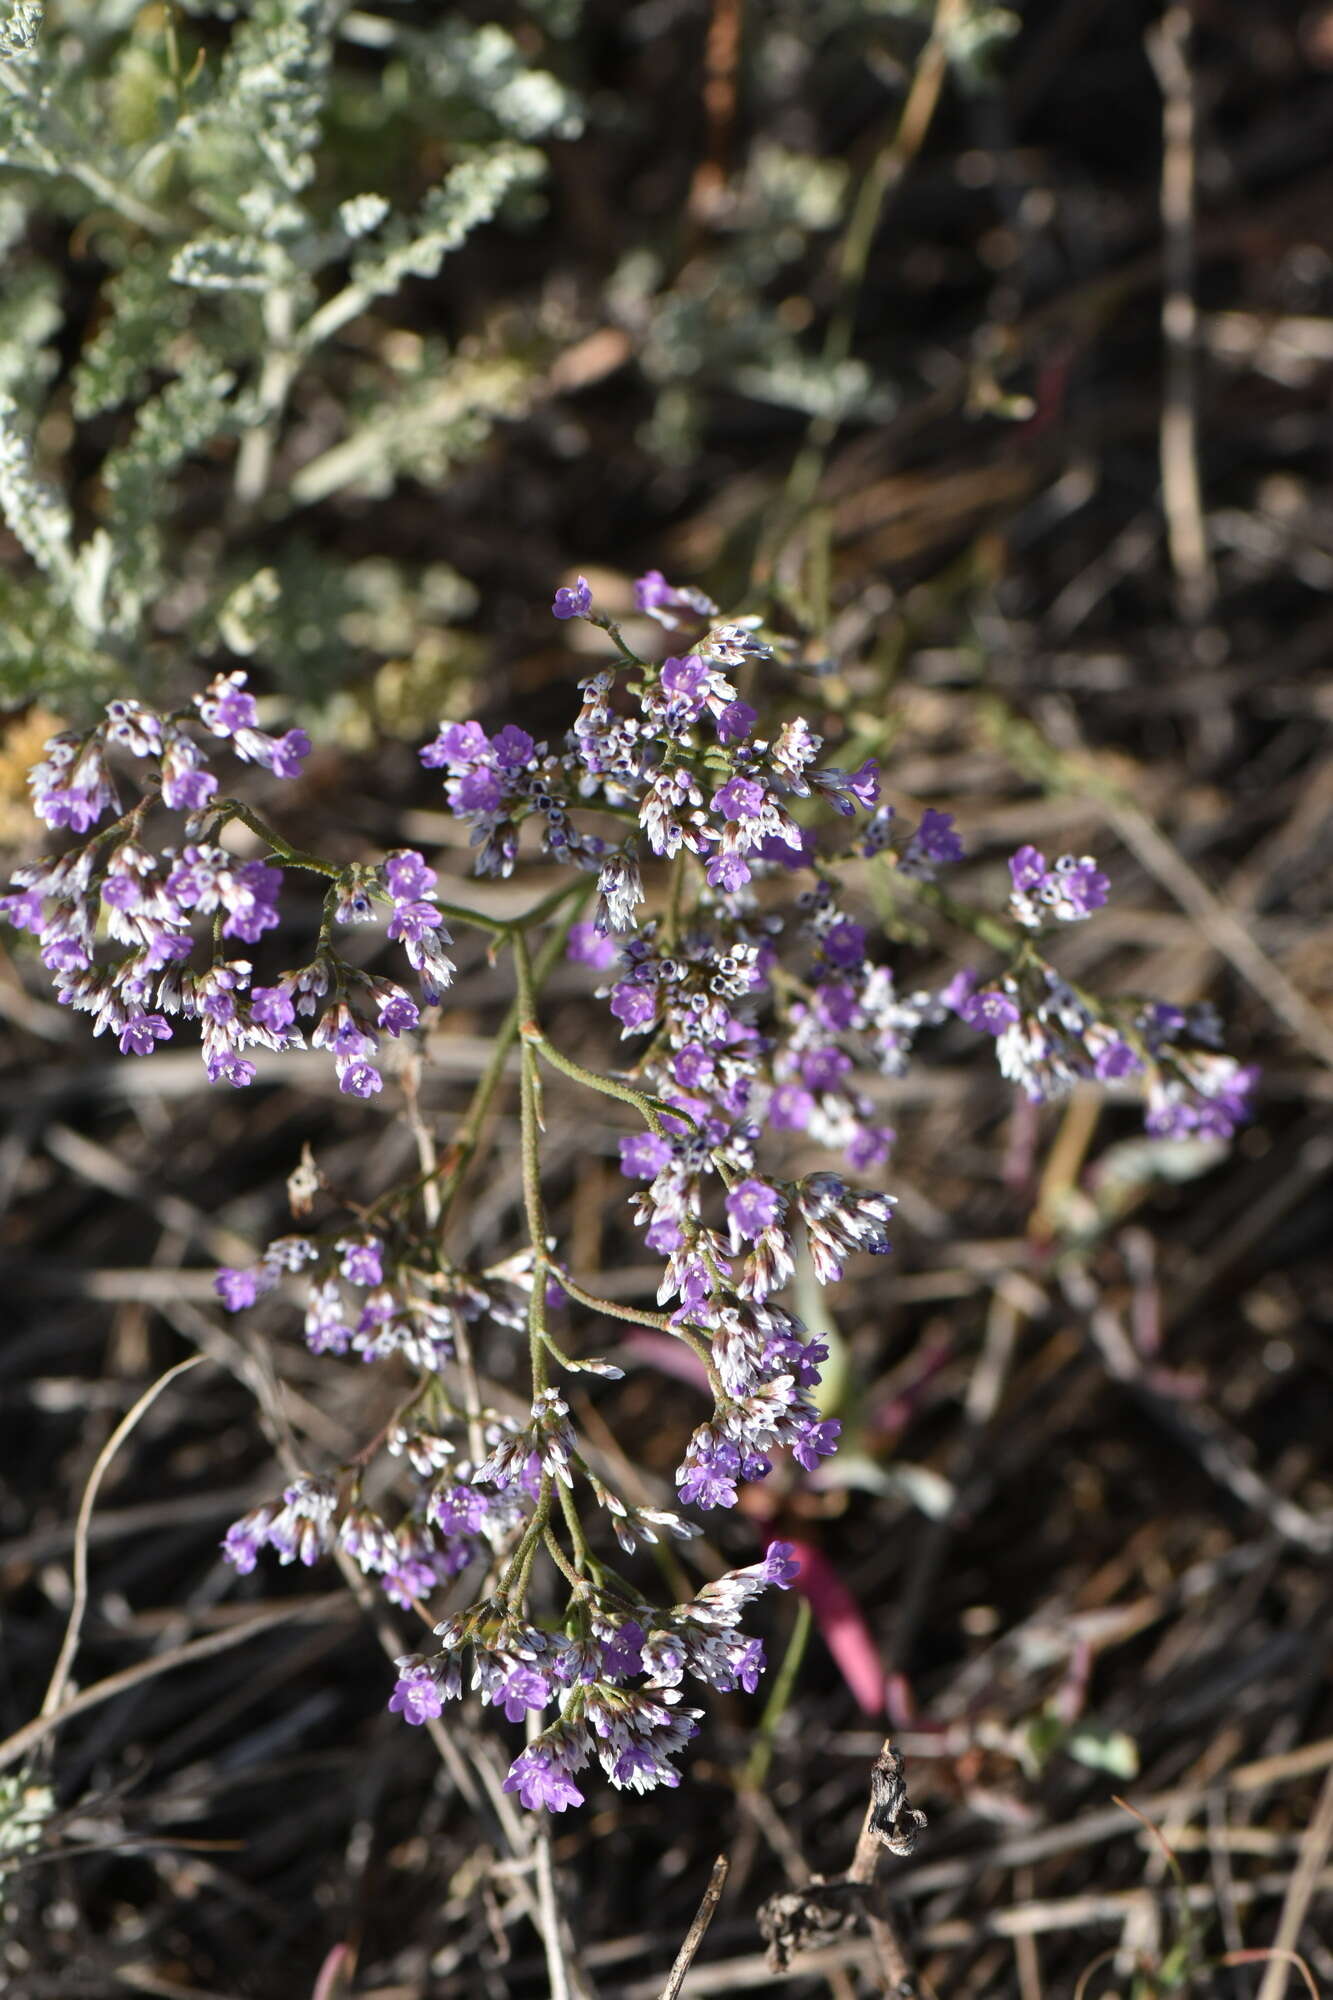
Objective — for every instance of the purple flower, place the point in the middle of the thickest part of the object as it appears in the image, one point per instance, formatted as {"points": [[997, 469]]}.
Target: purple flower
{"points": [[363, 1262], [835, 1006], [863, 785], [142, 1032], [250, 894], [645, 1155], [224, 1066], [64, 954], [358, 1078], [958, 990], [1027, 868], [824, 1069], [1082, 885], [740, 798], [122, 891], [749, 1665], [870, 1147], [457, 745], [652, 592], [241, 1545], [24, 910], [187, 790], [238, 1289], [664, 602], [753, 1207], [459, 1510], [845, 944], [477, 791], [417, 1696], [936, 838], [623, 1655], [728, 872], [685, 682], [1070, 890], [272, 1007], [780, 1566], [398, 1012], [707, 1477], [693, 1067], [525, 1688], [736, 722], [790, 1108], [573, 602], [634, 1006], [989, 1011], [774, 848], [226, 707], [849, 789], [1117, 1059], [406, 875], [933, 845], [820, 1441], [513, 747], [412, 921], [537, 1774], [587, 946]]}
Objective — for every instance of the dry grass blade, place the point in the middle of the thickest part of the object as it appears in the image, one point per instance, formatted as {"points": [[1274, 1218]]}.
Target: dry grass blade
{"points": [[65, 1660], [16, 1747], [1314, 1849], [1273, 1956]]}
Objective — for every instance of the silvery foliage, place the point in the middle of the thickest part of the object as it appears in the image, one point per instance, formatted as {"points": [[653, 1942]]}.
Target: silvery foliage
{"points": [[198, 167], [205, 157]]}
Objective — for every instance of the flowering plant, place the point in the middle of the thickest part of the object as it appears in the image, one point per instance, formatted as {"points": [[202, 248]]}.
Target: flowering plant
{"points": [[745, 974]]}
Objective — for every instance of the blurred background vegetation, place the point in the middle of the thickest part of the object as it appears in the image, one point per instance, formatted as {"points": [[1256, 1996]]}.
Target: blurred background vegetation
{"points": [[987, 351]]}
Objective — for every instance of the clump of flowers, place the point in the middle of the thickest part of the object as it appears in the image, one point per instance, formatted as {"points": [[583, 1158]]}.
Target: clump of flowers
{"points": [[123, 920], [713, 851]]}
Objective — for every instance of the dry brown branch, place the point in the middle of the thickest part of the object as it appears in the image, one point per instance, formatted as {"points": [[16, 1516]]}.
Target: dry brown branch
{"points": [[694, 1937], [798, 1919], [1182, 498]]}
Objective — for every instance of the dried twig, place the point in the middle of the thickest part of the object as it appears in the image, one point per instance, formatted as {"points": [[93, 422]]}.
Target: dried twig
{"points": [[55, 1693], [799, 1920], [1182, 499], [694, 1936], [23, 1741], [1314, 1852]]}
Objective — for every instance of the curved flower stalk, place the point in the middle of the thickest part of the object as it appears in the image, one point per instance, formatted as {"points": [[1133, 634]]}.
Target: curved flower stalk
{"points": [[713, 858]]}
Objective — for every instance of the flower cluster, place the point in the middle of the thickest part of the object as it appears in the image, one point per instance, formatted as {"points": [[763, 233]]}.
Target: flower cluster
{"points": [[722, 860], [1050, 1034], [633, 1731], [118, 917], [1068, 891]]}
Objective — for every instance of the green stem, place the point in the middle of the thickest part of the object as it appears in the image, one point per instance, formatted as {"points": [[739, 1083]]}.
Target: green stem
{"points": [[559, 1558], [659, 1322], [761, 1756], [283, 850], [635, 1315], [466, 1140], [671, 921], [613, 633], [514, 1582], [530, 1149], [651, 1109], [881, 177], [990, 930]]}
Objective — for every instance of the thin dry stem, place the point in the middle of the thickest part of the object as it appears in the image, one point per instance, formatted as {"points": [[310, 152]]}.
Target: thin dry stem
{"points": [[55, 1693]]}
